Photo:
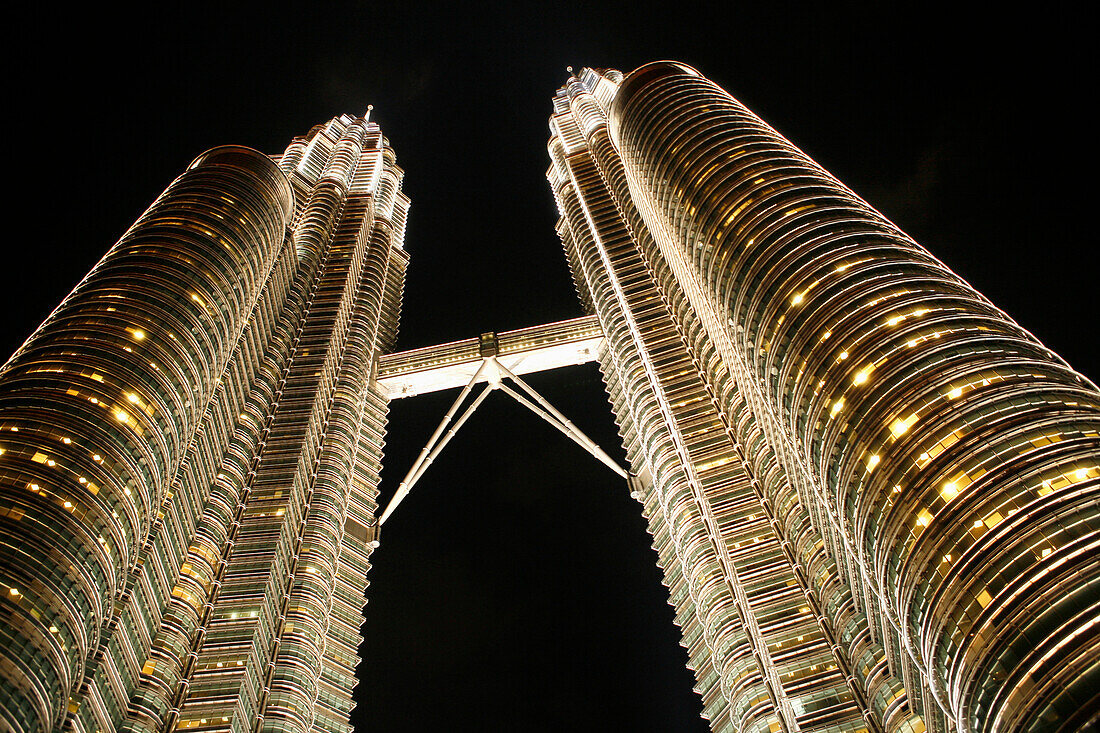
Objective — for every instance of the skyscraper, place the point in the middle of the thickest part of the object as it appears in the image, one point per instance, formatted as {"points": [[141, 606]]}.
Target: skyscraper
{"points": [[873, 495], [191, 445]]}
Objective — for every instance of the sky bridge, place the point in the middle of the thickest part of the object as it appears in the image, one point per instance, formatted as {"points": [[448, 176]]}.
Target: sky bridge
{"points": [[491, 358]]}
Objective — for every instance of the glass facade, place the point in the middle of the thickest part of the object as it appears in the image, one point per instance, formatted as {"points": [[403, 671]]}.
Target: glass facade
{"points": [[873, 495], [190, 450]]}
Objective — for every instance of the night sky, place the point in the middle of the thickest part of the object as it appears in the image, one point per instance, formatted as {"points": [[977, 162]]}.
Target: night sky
{"points": [[515, 588]]}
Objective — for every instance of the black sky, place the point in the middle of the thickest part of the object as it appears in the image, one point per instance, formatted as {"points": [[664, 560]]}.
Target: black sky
{"points": [[517, 583]]}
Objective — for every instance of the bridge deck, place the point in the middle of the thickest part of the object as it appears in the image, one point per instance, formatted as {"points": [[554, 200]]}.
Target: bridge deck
{"points": [[526, 350]]}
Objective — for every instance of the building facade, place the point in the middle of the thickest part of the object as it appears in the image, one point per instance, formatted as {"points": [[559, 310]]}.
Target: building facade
{"points": [[874, 497], [190, 450]]}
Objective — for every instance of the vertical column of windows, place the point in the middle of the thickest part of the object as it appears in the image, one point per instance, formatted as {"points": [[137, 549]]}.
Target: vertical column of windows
{"points": [[815, 668], [733, 687], [249, 609]]}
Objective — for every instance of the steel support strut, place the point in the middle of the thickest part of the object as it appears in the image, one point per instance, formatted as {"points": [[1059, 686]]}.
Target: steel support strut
{"points": [[493, 372], [412, 475]]}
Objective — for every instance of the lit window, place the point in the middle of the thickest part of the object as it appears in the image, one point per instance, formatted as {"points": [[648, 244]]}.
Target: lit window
{"points": [[900, 426]]}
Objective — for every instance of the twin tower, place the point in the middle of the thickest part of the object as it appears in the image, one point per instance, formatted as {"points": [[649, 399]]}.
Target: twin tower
{"points": [[875, 498]]}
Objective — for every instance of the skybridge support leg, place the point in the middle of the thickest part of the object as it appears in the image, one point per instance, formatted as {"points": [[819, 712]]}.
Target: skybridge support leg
{"points": [[570, 429], [567, 428], [415, 472], [492, 372]]}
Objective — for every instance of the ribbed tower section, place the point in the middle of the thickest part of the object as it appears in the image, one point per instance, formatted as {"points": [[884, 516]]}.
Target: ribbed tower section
{"points": [[874, 496], [191, 445]]}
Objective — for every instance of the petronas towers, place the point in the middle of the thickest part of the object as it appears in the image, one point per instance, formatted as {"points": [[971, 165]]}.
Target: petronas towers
{"points": [[875, 498]]}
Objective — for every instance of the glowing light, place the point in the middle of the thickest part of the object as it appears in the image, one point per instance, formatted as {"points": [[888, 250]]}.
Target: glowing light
{"points": [[797, 300], [901, 426], [1082, 474], [862, 375], [955, 394], [133, 398], [66, 441], [873, 461], [138, 334], [13, 591], [949, 491], [843, 355], [121, 416]]}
